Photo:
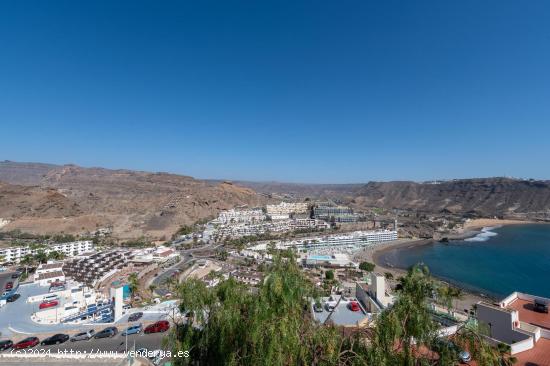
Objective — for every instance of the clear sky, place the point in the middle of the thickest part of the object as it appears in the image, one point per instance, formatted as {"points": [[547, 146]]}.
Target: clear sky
{"points": [[302, 91]]}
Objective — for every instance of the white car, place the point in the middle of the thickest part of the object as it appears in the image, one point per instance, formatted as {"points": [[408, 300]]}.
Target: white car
{"points": [[83, 336]]}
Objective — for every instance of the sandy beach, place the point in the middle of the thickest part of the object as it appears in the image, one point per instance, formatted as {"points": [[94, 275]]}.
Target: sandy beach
{"points": [[478, 224], [471, 228]]}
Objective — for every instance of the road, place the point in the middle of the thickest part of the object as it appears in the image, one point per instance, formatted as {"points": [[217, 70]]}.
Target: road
{"points": [[187, 259], [118, 343]]}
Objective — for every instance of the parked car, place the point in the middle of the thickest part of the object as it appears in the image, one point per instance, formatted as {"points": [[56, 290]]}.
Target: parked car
{"points": [[9, 285], [5, 344], [464, 356], [27, 343], [354, 306], [134, 329], [540, 306], [55, 339], [160, 326], [83, 336], [15, 275], [318, 307], [13, 297], [48, 304], [106, 333], [135, 316]]}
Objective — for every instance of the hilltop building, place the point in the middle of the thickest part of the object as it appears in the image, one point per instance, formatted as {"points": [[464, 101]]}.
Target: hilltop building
{"points": [[71, 249], [284, 210], [333, 213]]}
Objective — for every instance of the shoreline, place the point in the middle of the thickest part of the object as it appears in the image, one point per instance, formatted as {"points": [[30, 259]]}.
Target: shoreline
{"points": [[471, 229]]}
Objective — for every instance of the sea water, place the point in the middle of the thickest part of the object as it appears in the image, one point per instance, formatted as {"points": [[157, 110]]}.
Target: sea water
{"points": [[496, 262]]}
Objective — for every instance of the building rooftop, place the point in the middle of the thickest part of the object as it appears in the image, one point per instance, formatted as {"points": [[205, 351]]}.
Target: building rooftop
{"points": [[45, 276], [342, 315], [538, 355], [528, 315], [50, 265]]}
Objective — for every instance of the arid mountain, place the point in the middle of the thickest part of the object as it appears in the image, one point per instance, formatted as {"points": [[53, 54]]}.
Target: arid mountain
{"points": [[49, 198], [301, 191], [480, 197], [74, 199]]}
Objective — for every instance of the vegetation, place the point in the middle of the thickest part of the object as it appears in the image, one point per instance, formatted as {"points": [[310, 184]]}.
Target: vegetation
{"points": [[133, 283], [240, 243], [231, 325], [329, 275], [367, 266]]}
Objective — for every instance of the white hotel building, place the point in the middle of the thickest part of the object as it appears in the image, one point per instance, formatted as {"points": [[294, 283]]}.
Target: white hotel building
{"points": [[351, 241], [15, 254], [284, 209], [240, 216]]}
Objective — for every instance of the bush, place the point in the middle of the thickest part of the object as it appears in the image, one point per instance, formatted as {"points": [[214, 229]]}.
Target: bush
{"points": [[367, 266]]}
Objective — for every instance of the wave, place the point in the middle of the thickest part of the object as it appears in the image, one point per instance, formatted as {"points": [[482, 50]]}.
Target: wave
{"points": [[485, 234]]}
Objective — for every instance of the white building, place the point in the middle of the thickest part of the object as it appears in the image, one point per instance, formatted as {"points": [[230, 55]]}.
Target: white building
{"points": [[284, 209], [351, 241], [15, 254], [298, 224], [240, 216]]}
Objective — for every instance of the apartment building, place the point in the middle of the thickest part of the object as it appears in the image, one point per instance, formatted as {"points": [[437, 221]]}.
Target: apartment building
{"points": [[15, 254], [351, 241], [334, 213], [299, 223], [283, 210], [92, 267], [240, 216]]}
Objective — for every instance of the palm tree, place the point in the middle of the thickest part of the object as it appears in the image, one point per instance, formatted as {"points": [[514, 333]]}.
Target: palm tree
{"points": [[41, 256], [56, 255], [152, 288], [27, 261], [133, 283], [505, 358]]}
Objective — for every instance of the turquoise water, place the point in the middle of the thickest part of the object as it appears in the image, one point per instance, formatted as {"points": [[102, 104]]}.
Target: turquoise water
{"points": [[496, 262]]}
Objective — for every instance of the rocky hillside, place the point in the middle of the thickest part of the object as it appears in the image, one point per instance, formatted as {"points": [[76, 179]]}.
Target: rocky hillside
{"points": [[75, 199], [479, 197]]}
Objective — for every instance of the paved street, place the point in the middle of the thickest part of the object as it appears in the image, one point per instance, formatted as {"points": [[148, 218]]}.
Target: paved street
{"points": [[117, 344]]}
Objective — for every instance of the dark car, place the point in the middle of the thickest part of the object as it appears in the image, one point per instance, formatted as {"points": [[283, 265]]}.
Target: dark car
{"points": [[13, 297], [6, 344], [106, 333], [160, 326], [540, 306], [26, 343], [55, 339], [135, 316], [15, 275], [318, 307]]}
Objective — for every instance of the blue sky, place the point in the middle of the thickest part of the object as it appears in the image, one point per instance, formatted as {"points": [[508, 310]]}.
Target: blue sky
{"points": [[301, 91]]}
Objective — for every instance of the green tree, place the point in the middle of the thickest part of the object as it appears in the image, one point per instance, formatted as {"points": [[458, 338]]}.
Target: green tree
{"points": [[152, 289], [56, 255], [367, 266], [27, 260], [329, 275], [41, 256], [133, 283]]}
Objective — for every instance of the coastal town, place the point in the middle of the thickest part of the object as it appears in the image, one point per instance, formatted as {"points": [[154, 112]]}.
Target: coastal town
{"points": [[57, 290]]}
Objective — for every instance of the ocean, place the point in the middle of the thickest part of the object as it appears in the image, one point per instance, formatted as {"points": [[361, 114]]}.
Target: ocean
{"points": [[496, 262]]}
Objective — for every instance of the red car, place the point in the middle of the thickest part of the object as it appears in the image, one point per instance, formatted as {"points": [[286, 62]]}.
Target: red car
{"points": [[160, 326], [9, 285], [48, 304], [27, 343], [354, 306]]}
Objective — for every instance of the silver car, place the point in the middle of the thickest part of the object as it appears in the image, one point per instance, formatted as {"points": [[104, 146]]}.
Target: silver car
{"points": [[83, 336]]}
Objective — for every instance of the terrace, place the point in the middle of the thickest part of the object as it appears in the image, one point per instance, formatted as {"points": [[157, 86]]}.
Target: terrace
{"points": [[342, 315]]}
